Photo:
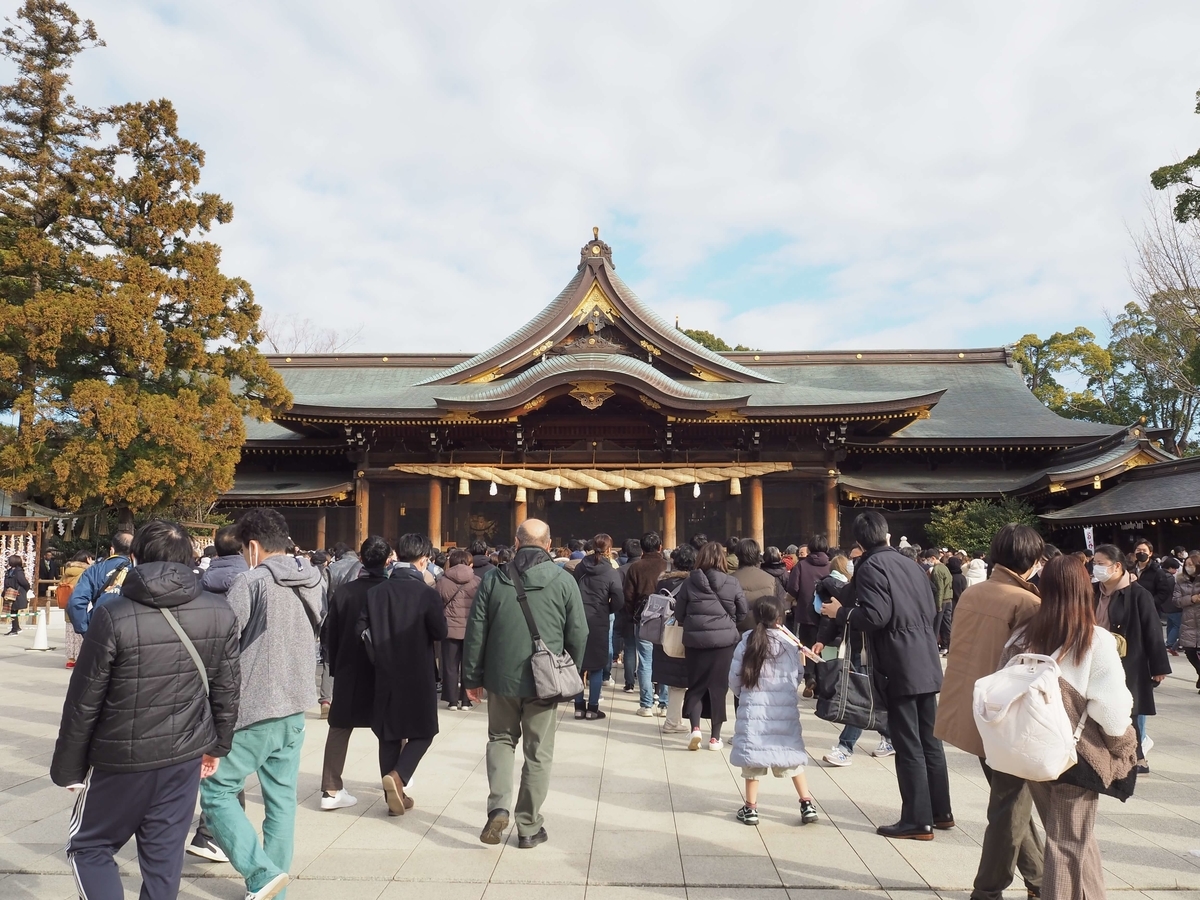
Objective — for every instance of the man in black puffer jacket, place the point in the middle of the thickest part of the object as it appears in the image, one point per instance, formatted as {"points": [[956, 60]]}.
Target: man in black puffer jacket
{"points": [[141, 725]]}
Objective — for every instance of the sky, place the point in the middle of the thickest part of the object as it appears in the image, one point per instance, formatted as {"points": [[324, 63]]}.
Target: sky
{"points": [[789, 175]]}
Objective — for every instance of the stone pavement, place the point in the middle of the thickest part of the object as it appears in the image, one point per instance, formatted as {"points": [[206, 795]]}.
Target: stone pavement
{"points": [[631, 814]]}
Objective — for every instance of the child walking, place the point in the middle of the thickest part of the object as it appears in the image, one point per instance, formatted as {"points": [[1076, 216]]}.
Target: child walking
{"points": [[765, 675]]}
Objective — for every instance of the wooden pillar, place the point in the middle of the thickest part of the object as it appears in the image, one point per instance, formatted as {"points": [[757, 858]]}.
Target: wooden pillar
{"points": [[832, 526], [435, 512], [321, 545], [756, 511], [669, 535], [520, 514], [362, 510], [391, 517]]}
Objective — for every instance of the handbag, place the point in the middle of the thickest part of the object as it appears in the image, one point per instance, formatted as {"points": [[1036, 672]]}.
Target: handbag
{"points": [[672, 639], [62, 594], [655, 614], [555, 675], [847, 695], [10, 600]]}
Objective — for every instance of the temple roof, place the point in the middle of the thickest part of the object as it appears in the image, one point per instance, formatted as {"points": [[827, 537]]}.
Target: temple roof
{"points": [[1166, 490]]}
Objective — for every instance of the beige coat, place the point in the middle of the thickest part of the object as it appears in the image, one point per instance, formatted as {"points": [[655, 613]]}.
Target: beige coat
{"points": [[986, 617]]}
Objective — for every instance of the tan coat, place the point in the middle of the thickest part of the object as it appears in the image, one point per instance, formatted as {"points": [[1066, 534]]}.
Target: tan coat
{"points": [[986, 617]]}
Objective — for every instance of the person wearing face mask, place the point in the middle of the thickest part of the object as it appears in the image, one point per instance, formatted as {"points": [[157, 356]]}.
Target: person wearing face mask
{"points": [[1128, 610], [279, 604], [1170, 610], [987, 616], [1152, 576], [1187, 598]]}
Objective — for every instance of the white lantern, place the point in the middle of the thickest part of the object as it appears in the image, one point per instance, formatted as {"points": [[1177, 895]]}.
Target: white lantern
{"points": [[557, 493], [696, 489], [492, 490]]}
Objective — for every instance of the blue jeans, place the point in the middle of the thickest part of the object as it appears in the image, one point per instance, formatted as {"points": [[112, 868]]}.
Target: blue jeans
{"points": [[645, 673], [1174, 624], [595, 681], [609, 665]]}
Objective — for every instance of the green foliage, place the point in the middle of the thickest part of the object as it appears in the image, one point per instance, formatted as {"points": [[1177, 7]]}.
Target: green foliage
{"points": [[128, 357], [1179, 175], [970, 524], [711, 341]]}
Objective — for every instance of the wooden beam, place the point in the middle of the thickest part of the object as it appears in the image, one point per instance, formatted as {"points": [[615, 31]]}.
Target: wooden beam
{"points": [[362, 510], [435, 512], [756, 510], [832, 526]]}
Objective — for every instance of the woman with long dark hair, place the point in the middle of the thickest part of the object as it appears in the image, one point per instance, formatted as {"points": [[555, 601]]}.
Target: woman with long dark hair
{"points": [[602, 593], [1065, 628], [765, 675], [16, 591], [709, 605]]}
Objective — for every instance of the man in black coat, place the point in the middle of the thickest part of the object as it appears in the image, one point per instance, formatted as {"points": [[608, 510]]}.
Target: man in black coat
{"points": [[353, 674], [893, 606], [150, 710], [1152, 576], [405, 617]]}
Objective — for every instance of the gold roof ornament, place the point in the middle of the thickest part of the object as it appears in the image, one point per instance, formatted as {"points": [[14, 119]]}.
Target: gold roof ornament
{"points": [[591, 394]]}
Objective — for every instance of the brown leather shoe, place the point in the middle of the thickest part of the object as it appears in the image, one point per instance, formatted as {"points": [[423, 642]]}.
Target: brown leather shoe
{"points": [[943, 823], [393, 791]]}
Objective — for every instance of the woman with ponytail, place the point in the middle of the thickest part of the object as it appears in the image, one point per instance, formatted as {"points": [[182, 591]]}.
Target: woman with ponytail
{"points": [[765, 675]]}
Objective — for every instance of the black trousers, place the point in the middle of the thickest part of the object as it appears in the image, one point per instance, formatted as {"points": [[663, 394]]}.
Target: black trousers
{"points": [[402, 757], [452, 660], [154, 806], [920, 759], [708, 677], [808, 636]]}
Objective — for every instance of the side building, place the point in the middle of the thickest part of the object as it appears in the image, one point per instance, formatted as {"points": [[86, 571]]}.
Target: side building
{"points": [[599, 415]]}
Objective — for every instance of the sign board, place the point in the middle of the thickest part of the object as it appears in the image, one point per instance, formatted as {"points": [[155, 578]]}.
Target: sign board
{"points": [[1089, 539]]}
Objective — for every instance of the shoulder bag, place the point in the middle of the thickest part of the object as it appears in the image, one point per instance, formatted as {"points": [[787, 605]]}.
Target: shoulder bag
{"points": [[847, 694], [555, 676]]}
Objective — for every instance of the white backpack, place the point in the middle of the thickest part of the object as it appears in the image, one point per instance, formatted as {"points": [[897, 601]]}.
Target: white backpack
{"points": [[1020, 716]]}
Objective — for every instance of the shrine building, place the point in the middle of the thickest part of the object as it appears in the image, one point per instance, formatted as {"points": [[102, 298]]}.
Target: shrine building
{"points": [[598, 415]]}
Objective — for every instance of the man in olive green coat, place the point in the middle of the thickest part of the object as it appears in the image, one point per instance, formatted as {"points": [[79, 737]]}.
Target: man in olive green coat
{"points": [[496, 654]]}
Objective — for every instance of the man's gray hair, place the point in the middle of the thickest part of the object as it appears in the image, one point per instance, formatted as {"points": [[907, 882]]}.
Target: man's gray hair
{"points": [[533, 533]]}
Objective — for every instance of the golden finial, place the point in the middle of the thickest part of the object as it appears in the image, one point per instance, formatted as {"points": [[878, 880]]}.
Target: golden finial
{"points": [[595, 232]]}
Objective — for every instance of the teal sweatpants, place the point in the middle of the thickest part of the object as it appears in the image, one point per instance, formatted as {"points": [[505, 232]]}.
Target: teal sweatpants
{"points": [[270, 749]]}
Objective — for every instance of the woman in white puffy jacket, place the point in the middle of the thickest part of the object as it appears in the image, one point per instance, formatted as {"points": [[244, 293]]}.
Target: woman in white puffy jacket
{"points": [[1065, 627]]}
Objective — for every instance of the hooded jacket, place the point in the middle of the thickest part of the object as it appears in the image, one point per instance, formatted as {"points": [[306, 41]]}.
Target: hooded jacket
{"points": [[221, 571], [279, 607], [1187, 598], [498, 646], [802, 582], [768, 720], [976, 571], [458, 587], [136, 700], [756, 584], [708, 606]]}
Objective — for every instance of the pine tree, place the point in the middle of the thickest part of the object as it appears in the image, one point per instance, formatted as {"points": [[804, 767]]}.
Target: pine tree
{"points": [[132, 357]]}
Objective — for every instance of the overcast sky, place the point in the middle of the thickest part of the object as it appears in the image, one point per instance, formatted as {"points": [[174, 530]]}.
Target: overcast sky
{"points": [[790, 175]]}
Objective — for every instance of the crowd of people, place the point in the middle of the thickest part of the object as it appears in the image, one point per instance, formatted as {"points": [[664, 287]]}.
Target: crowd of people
{"points": [[193, 674]]}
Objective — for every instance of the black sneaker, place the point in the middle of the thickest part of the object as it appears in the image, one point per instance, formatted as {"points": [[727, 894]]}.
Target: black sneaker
{"points": [[497, 824], [579, 713], [629, 689], [1143, 767], [808, 812], [206, 849], [529, 842], [748, 815], [594, 714]]}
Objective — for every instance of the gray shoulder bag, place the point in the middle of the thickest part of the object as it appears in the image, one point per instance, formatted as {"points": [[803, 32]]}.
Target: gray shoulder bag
{"points": [[187, 645], [555, 677]]}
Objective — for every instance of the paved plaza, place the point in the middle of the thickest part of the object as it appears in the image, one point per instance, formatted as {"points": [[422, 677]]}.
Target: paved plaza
{"points": [[631, 814]]}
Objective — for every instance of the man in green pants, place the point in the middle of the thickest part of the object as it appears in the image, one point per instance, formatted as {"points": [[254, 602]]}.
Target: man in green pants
{"points": [[496, 654], [279, 604]]}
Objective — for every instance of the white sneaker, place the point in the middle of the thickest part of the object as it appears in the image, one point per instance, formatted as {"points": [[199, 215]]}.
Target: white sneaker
{"points": [[340, 800], [645, 712], [270, 889], [660, 710], [608, 682], [696, 741], [884, 749], [838, 757], [715, 744], [1147, 746], [677, 728], [206, 849]]}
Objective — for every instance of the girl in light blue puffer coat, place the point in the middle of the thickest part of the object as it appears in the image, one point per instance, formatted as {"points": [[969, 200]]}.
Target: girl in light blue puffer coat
{"points": [[765, 675]]}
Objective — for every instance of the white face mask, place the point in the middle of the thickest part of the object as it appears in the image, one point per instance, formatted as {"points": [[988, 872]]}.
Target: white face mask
{"points": [[850, 567], [1037, 570], [1101, 573], [1191, 570]]}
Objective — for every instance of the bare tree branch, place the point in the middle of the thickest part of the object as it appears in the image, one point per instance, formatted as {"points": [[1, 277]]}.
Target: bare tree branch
{"points": [[288, 334]]}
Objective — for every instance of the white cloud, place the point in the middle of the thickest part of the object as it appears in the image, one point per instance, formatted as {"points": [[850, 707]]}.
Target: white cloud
{"points": [[431, 169]]}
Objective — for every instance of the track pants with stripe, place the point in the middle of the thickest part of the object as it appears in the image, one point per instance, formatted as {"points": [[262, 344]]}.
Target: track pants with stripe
{"points": [[156, 807]]}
